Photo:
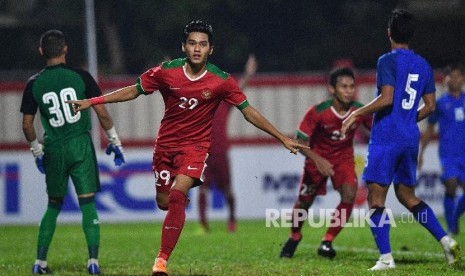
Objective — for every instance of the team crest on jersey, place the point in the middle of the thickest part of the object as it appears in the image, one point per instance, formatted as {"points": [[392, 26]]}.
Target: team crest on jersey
{"points": [[207, 94]]}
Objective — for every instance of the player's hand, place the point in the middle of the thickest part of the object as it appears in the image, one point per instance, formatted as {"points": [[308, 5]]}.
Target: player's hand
{"points": [[40, 164], [251, 65], [79, 105], [324, 167], [347, 123], [117, 149], [293, 145], [38, 153]]}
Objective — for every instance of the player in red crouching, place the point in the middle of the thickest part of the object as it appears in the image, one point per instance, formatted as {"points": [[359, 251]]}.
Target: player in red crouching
{"points": [[331, 156]]}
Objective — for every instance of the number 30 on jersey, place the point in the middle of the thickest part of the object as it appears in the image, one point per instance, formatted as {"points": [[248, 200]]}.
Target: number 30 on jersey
{"points": [[61, 112]]}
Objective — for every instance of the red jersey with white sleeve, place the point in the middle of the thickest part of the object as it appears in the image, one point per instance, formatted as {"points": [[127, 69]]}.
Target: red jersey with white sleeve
{"points": [[321, 126], [190, 104]]}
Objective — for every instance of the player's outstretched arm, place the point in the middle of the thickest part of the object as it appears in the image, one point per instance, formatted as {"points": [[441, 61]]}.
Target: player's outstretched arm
{"points": [[258, 120], [382, 101], [121, 95]]}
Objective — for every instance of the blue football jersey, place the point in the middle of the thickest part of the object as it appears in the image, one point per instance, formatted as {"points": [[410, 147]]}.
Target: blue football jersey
{"points": [[412, 77], [450, 114]]}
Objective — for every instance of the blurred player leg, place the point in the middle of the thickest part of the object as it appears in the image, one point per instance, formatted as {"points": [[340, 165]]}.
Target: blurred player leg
{"points": [[232, 226], [202, 204], [459, 210], [222, 175], [450, 203]]}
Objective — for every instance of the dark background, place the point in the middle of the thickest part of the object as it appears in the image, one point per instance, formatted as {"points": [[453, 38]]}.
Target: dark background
{"points": [[286, 36]]}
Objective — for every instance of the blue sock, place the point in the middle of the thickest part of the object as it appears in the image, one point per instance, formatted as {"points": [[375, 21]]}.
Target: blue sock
{"points": [[380, 229], [459, 210], [449, 211], [426, 217]]}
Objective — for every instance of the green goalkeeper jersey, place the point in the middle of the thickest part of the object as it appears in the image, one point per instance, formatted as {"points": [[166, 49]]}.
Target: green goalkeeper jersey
{"points": [[48, 90]]}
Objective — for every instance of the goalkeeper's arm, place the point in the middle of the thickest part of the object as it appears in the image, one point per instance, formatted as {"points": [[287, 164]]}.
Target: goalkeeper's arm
{"points": [[114, 144], [31, 137]]}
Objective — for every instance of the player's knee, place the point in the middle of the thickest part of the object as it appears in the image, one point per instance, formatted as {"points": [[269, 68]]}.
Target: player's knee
{"points": [[83, 200], [161, 207], [162, 201], [348, 193], [304, 203], [348, 198], [407, 200], [55, 202]]}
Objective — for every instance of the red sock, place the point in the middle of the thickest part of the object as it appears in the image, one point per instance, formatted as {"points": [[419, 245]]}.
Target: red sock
{"points": [[297, 225], [341, 216], [203, 207], [173, 223]]}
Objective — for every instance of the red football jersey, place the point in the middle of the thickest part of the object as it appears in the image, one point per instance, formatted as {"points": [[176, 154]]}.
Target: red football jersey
{"points": [[189, 103], [321, 125], [220, 138]]}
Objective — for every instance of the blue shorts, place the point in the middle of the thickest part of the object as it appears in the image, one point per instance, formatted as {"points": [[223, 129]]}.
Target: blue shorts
{"points": [[388, 164], [453, 167]]}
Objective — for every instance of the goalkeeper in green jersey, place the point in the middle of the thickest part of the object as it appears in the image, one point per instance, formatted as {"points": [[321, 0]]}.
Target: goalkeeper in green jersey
{"points": [[67, 149]]}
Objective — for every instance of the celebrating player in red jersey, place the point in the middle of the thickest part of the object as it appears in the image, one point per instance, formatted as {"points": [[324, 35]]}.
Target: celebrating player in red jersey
{"points": [[192, 89], [331, 155]]}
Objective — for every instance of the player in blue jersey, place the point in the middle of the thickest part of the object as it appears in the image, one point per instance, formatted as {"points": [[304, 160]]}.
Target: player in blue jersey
{"points": [[450, 115], [403, 78]]}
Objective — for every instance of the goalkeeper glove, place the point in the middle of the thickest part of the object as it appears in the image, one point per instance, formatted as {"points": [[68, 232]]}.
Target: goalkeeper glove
{"points": [[37, 150], [115, 147]]}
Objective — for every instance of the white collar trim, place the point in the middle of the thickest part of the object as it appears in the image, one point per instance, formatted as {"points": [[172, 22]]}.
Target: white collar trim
{"points": [[193, 79], [339, 115]]}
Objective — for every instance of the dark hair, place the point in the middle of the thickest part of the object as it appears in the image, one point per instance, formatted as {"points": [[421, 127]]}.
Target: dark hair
{"points": [[52, 43], [453, 67], [199, 26], [402, 27], [338, 72]]}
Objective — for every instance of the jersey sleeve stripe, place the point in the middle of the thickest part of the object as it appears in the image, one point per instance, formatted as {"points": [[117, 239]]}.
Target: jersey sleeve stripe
{"points": [[243, 105], [139, 87], [301, 135]]}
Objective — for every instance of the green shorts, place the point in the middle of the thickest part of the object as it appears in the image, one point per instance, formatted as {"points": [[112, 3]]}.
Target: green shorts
{"points": [[75, 158]]}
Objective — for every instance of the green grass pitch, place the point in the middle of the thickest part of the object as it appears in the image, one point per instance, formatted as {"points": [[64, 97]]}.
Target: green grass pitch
{"points": [[129, 249]]}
